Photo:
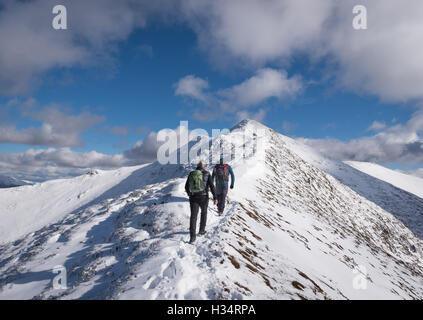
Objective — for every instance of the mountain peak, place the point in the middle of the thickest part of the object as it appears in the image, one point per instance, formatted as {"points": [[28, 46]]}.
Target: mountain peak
{"points": [[248, 123]]}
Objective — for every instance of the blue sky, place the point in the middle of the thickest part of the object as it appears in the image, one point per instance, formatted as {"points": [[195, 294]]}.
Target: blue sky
{"points": [[124, 79]]}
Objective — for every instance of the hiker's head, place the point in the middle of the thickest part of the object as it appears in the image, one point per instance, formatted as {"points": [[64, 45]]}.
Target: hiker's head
{"points": [[201, 165], [221, 160]]}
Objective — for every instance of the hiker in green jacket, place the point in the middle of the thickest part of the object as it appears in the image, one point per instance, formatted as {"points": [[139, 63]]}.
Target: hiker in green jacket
{"points": [[197, 187]]}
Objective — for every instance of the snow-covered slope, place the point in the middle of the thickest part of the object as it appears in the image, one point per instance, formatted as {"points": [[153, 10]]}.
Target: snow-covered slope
{"points": [[297, 226], [400, 180], [31, 207], [405, 206]]}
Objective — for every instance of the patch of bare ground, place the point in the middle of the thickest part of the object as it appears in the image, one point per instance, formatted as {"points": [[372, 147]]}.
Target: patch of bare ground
{"points": [[316, 288], [267, 281], [242, 287], [253, 213], [297, 285], [244, 238], [233, 260]]}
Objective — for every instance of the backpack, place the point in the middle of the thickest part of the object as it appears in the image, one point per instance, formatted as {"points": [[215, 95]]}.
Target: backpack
{"points": [[196, 182], [222, 172]]}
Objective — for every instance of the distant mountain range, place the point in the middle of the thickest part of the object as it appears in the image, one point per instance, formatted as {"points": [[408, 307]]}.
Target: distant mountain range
{"points": [[11, 182]]}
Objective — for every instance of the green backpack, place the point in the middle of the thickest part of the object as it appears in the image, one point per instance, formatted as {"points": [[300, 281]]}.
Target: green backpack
{"points": [[196, 183]]}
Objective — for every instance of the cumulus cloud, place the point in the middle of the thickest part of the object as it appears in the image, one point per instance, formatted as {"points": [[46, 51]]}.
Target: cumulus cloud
{"points": [[266, 83], [263, 85], [257, 31], [146, 150], [30, 46], [50, 163], [384, 60], [57, 128], [193, 87], [398, 143], [258, 116], [43, 164], [376, 126], [64, 157]]}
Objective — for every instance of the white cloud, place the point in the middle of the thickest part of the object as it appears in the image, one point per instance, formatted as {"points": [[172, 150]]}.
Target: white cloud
{"points": [[263, 85], [30, 46], [384, 60], [257, 31], [399, 143], [258, 116], [57, 128], [377, 126], [64, 157], [42, 164], [193, 87], [266, 83], [146, 150]]}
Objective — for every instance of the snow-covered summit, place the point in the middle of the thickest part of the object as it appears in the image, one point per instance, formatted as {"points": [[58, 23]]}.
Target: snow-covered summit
{"points": [[297, 225], [248, 124]]}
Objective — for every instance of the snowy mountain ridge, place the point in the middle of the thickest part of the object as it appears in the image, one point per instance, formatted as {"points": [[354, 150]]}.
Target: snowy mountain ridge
{"points": [[297, 226], [11, 182]]}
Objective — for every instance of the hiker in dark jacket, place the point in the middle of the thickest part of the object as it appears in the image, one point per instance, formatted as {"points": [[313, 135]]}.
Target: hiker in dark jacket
{"points": [[197, 187], [221, 173]]}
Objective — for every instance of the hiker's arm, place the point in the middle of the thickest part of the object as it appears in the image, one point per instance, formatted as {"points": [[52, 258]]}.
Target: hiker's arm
{"points": [[187, 187], [212, 189], [213, 174], [232, 176]]}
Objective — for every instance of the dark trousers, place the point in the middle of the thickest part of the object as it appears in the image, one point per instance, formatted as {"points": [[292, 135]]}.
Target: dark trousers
{"points": [[221, 193], [197, 203]]}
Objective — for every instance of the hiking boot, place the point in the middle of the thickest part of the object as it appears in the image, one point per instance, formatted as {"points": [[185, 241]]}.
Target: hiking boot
{"points": [[202, 233], [192, 240]]}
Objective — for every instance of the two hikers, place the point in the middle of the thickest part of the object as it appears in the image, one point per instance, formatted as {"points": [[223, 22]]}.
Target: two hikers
{"points": [[221, 173], [197, 187]]}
